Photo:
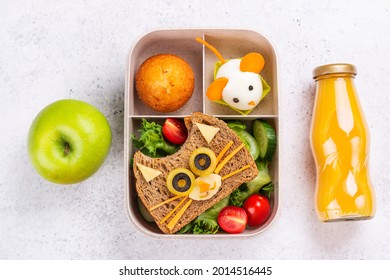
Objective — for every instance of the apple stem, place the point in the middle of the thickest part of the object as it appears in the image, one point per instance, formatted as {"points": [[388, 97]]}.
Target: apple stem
{"points": [[67, 149]]}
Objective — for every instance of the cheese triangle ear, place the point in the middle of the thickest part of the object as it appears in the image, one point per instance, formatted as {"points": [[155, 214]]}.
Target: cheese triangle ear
{"points": [[207, 131], [148, 173]]}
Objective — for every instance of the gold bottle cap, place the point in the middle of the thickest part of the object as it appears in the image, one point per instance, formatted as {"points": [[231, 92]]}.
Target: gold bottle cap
{"points": [[336, 68]]}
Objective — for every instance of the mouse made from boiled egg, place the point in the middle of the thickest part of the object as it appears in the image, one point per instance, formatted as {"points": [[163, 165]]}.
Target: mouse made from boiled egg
{"points": [[237, 82]]}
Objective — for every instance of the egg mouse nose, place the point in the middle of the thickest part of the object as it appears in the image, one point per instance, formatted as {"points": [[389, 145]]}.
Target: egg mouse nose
{"points": [[252, 103]]}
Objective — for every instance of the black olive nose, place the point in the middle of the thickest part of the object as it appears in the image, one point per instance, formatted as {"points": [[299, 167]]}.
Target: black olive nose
{"points": [[250, 87], [235, 100]]}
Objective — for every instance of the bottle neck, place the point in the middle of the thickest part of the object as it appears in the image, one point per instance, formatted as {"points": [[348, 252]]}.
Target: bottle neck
{"points": [[335, 75]]}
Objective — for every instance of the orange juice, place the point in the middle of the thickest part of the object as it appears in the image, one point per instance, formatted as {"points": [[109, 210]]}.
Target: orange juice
{"points": [[340, 145]]}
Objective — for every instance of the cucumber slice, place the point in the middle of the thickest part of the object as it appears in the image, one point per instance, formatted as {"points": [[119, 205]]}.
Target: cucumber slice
{"points": [[144, 212], [249, 141], [265, 137]]}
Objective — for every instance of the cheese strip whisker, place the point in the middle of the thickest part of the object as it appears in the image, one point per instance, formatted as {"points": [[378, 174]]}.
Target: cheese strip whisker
{"points": [[175, 219], [224, 150], [235, 172], [164, 202], [173, 210], [227, 158]]}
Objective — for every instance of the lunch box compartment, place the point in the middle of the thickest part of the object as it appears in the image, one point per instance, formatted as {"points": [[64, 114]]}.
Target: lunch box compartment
{"points": [[231, 44], [236, 44], [159, 42]]}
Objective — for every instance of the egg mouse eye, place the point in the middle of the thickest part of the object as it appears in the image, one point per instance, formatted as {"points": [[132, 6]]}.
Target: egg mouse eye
{"points": [[250, 87], [235, 100]]}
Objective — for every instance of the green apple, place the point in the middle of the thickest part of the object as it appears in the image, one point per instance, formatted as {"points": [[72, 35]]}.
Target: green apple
{"points": [[68, 141]]}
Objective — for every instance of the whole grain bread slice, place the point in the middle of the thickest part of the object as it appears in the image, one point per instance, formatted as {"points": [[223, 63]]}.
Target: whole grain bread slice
{"points": [[156, 191]]}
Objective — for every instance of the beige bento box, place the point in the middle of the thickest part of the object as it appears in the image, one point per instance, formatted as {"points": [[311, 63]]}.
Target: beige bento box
{"points": [[231, 44]]}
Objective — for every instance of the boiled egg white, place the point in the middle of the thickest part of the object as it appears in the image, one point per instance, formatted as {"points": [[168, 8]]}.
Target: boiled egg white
{"points": [[206, 187], [244, 89]]}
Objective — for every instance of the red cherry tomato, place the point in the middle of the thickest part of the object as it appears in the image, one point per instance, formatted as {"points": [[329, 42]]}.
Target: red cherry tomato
{"points": [[175, 131], [232, 219], [258, 209]]}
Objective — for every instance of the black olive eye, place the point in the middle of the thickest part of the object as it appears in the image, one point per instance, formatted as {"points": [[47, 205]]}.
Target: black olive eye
{"points": [[202, 161], [180, 181], [235, 100], [250, 87]]}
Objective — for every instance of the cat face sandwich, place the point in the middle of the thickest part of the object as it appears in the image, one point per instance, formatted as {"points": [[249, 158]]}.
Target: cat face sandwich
{"points": [[209, 166]]}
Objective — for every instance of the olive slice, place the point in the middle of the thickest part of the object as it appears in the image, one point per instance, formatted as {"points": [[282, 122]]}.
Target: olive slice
{"points": [[180, 181], [203, 161]]}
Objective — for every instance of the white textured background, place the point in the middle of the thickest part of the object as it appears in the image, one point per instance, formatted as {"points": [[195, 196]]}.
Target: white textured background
{"points": [[51, 50]]}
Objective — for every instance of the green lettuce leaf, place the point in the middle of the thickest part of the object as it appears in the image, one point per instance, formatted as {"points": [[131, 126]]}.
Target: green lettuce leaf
{"points": [[262, 179], [207, 223], [151, 141]]}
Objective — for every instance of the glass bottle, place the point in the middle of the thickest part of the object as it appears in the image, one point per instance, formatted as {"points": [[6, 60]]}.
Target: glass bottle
{"points": [[339, 139]]}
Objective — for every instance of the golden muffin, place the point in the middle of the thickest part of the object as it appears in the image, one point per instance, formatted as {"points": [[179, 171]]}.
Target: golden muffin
{"points": [[165, 82]]}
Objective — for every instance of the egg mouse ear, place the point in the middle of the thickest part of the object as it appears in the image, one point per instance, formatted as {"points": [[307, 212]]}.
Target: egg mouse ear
{"points": [[252, 62], [214, 91]]}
